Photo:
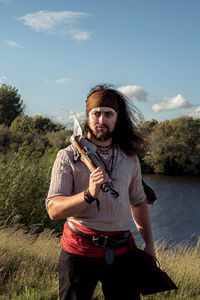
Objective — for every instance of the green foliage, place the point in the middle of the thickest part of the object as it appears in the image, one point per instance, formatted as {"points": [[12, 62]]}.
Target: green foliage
{"points": [[38, 132], [174, 146], [59, 139], [35, 125], [11, 104], [147, 127], [9, 141], [23, 124], [24, 183]]}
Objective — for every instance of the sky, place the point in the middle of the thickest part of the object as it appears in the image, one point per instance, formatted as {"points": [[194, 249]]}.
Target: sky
{"points": [[55, 51]]}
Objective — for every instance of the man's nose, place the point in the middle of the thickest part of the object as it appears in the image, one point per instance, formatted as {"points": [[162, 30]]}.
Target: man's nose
{"points": [[102, 119]]}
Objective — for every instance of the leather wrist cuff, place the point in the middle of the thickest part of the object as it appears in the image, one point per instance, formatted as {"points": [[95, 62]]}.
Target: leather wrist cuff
{"points": [[88, 197]]}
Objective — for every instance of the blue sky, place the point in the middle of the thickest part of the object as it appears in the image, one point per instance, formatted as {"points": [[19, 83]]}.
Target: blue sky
{"points": [[53, 52]]}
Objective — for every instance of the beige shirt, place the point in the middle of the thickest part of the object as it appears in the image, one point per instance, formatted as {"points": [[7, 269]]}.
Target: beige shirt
{"points": [[70, 177]]}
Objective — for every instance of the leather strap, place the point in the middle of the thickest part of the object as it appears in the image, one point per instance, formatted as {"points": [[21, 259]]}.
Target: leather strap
{"points": [[118, 239], [75, 230]]}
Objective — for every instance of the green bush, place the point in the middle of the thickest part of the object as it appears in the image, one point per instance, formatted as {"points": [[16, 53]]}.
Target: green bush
{"points": [[24, 183]]}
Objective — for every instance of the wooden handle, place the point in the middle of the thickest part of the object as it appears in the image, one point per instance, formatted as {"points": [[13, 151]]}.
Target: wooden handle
{"points": [[84, 158]]}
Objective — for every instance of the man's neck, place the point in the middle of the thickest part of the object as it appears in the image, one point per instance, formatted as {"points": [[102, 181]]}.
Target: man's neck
{"points": [[99, 143]]}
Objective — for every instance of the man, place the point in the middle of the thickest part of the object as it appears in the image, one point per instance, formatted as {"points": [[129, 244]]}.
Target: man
{"points": [[96, 242]]}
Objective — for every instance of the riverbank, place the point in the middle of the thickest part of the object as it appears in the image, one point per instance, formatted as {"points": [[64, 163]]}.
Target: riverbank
{"points": [[28, 267]]}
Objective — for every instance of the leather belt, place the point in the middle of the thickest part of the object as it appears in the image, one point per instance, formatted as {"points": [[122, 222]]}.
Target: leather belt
{"points": [[109, 243]]}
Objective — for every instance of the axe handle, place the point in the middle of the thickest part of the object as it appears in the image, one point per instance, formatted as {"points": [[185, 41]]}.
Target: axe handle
{"points": [[84, 158]]}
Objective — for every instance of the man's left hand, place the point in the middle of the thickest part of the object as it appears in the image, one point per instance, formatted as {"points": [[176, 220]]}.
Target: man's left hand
{"points": [[149, 249]]}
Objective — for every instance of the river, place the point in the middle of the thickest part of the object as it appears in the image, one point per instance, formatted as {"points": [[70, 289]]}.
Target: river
{"points": [[175, 216]]}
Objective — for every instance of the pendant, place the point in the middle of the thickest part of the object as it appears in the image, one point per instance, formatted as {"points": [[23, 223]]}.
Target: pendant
{"points": [[104, 155]]}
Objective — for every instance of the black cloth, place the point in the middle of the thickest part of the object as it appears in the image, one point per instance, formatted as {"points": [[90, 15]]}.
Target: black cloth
{"points": [[79, 275]]}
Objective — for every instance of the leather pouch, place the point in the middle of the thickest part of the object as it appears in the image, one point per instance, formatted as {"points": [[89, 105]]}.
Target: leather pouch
{"points": [[151, 279]]}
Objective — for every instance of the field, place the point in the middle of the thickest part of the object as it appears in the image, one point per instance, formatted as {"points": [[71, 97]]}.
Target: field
{"points": [[28, 267]]}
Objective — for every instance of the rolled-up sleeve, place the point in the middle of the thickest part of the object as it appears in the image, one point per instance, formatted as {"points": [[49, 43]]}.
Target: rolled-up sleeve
{"points": [[136, 190], [61, 177]]}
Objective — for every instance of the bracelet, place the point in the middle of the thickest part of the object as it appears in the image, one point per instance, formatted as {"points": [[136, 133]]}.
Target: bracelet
{"points": [[89, 199]]}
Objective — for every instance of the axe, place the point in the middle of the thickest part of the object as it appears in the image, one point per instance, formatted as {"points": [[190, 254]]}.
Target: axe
{"points": [[82, 154]]}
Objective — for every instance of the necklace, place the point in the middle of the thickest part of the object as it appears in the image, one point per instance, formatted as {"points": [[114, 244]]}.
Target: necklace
{"points": [[106, 165], [104, 151]]}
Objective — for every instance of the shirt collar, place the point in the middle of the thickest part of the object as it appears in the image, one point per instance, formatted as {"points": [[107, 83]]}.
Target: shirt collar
{"points": [[92, 148]]}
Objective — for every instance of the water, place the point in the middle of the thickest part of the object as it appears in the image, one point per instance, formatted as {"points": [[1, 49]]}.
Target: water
{"points": [[175, 216]]}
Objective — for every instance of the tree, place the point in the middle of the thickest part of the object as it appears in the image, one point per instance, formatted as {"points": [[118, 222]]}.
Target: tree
{"points": [[11, 104], [175, 147], [35, 125], [43, 125], [23, 124], [147, 127], [9, 141]]}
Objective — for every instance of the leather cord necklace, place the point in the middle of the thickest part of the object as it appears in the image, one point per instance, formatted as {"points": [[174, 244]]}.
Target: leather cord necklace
{"points": [[104, 151], [108, 171]]}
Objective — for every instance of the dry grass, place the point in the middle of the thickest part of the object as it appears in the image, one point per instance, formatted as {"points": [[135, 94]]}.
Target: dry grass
{"points": [[28, 267]]}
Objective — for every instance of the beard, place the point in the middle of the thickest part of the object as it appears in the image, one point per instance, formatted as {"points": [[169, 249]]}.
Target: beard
{"points": [[99, 134]]}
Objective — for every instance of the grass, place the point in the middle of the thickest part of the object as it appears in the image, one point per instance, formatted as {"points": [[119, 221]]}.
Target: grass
{"points": [[28, 267]]}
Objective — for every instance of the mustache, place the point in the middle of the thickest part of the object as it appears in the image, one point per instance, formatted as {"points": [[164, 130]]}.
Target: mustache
{"points": [[102, 125]]}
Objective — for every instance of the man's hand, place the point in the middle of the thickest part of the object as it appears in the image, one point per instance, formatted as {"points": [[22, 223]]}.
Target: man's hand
{"points": [[149, 249], [97, 178]]}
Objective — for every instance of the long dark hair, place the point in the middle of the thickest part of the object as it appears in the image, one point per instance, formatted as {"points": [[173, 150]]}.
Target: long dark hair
{"points": [[125, 133]]}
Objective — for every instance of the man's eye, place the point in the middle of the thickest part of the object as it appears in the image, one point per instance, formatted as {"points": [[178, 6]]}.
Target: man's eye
{"points": [[109, 115], [96, 114]]}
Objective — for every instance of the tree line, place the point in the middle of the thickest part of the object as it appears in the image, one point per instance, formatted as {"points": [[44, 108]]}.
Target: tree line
{"points": [[28, 148], [174, 146]]}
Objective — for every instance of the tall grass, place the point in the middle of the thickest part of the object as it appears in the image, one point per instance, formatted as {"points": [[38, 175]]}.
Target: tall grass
{"points": [[28, 267]]}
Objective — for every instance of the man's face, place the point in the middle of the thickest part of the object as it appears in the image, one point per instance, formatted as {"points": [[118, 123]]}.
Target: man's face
{"points": [[102, 121]]}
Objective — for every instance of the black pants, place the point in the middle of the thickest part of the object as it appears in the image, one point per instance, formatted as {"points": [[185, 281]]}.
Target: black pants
{"points": [[79, 275]]}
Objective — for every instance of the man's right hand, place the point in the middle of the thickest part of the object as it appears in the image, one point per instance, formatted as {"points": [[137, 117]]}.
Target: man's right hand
{"points": [[97, 178]]}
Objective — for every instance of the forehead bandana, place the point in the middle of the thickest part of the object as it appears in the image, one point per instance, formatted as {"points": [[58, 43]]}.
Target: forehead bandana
{"points": [[102, 98]]}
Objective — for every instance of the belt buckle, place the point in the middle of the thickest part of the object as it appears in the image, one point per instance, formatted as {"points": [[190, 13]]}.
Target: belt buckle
{"points": [[100, 240]]}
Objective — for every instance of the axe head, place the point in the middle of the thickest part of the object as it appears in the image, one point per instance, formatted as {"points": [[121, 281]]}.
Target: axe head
{"points": [[77, 130]]}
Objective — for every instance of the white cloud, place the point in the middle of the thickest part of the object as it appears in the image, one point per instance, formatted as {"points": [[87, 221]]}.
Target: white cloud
{"points": [[134, 92], [12, 44], [60, 23], [62, 80], [193, 112], [68, 118], [79, 115], [2, 78], [171, 103], [80, 35]]}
